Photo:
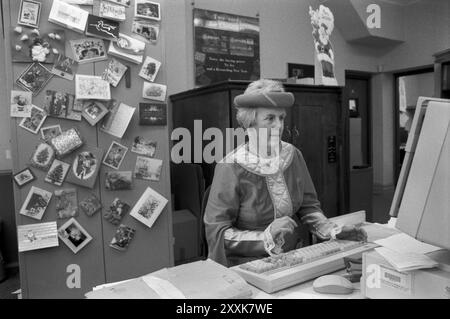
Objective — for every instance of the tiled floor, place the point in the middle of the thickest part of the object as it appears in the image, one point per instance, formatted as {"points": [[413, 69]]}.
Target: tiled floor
{"points": [[381, 205]]}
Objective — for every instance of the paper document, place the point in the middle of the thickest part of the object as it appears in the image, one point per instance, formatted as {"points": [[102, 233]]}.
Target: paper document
{"points": [[378, 231], [406, 261], [405, 244]]}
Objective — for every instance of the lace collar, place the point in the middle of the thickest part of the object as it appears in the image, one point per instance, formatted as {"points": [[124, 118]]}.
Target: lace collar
{"points": [[259, 165]]}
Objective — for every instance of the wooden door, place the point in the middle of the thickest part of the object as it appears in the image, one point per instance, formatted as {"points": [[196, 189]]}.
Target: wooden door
{"points": [[315, 125]]}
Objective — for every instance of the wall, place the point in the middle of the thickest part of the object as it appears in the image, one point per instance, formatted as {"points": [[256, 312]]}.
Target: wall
{"points": [[418, 85]]}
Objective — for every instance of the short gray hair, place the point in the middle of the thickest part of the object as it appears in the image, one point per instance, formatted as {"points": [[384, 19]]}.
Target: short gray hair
{"points": [[246, 116]]}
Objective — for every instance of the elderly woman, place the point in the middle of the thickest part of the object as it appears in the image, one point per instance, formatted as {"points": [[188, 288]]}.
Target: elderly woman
{"points": [[262, 191]]}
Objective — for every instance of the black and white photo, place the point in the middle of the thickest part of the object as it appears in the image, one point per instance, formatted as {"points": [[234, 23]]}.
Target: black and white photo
{"points": [[85, 166], [57, 173], [112, 11], [24, 177], [116, 211], [150, 69], [35, 121], [148, 168], [42, 156], [29, 13], [34, 78], [21, 104], [149, 207], [88, 50], [144, 146], [91, 87], [114, 72], [147, 29], [65, 67], [74, 235], [49, 132], [154, 91], [66, 203], [118, 180], [147, 10], [90, 205], [94, 111], [122, 238]]}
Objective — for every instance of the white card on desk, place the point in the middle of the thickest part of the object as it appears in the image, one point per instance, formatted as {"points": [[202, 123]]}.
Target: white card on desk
{"points": [[406, 244]]}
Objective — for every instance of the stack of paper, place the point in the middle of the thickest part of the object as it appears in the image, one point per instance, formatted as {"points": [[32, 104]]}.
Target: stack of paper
{"points": [[198, 280]]}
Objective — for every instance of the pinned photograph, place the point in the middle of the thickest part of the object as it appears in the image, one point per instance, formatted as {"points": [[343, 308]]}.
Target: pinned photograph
{"points": [[66, 203], [116, 211], [57, 173], [149, 207], [65, 67], [34, 78], [147, 10], [102, 28], [148, 168], [115, 155], [42, 156], [143, 146], [35, 121], [56, 103], [154, 91], [49, 132], [152, 114], [74, 235], [122, 238], [29, 13], [89, 87], [112, 11], [114, 72], [118, 181], [127, 48], [24, 177], [147, 29], [90, 205], [94, 111], [21, 104], [150, 69], [36, 203], [88, 50], [69, 16], [85, 167]]}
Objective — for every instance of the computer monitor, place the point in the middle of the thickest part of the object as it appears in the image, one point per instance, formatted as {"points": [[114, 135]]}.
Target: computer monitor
{"points": [[422, 197]]}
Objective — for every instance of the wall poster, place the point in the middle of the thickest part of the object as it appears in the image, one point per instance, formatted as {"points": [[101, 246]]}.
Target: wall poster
{"points": [[226, 47]]}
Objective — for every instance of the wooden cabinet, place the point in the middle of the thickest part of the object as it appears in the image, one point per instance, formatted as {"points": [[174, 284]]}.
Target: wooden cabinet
{"points": [[315, 125]]}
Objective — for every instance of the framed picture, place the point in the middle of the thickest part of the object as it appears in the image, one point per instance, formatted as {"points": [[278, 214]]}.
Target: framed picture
{"points": [[147, 29], [29, 13], [57, 173], [24, 177], [42, 156], [66, 203], [74, 235], [149, 207], [89, 87], [21, 104], [49, 132], [125, 3], [85, 167], [65, 67], [127, 48], [147, 10], [36, 203], [34, 78], [90, 205], [69, 16], [114, 72], [116, 211], [94, 111], [152, 114], [35, 121], [112, 11], [88, 50], [115, 155], [143, 146], [353, 107], [122, 238], [300, 71], [102, 28], [150, 69], [154, 91], [119, 181], [148, 168]]}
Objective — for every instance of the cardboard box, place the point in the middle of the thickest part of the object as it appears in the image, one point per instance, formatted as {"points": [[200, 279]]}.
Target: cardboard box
{"points": [[185, 232], [381, 281]]}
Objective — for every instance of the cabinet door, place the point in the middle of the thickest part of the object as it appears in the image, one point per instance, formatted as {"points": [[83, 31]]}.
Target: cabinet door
{"points": [[315, 127]]}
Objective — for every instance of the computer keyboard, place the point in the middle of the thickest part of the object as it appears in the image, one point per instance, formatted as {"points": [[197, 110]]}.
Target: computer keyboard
{"points": [[288, 269]]}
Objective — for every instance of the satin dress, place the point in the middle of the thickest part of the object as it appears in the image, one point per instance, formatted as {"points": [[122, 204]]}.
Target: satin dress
{"points": [[248, 192]]}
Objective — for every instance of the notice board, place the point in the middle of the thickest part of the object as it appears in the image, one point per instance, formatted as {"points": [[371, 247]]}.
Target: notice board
{"points": [[226, 47]]}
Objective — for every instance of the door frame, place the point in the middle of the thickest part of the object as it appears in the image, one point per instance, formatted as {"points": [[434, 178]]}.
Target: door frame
{"points": [[397, 75]]}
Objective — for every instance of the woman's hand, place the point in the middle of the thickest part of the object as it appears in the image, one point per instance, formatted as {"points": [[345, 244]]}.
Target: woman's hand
{"points": [[281, 226], [351, 232]]}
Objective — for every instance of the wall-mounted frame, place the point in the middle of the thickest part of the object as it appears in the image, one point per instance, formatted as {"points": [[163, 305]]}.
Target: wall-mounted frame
{"points": [[29, 13], [300, 71], [353, 107]]}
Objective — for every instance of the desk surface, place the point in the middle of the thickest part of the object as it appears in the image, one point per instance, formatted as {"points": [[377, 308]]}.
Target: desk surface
{"points": [[305, 291]]}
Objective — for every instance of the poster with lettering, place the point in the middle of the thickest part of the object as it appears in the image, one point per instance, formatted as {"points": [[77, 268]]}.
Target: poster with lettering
{"points": [[226, 47]]}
